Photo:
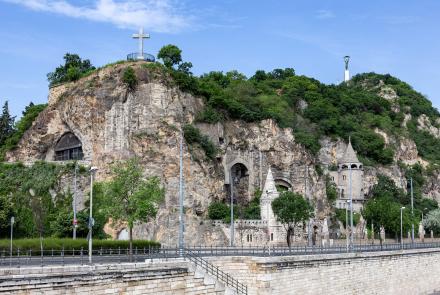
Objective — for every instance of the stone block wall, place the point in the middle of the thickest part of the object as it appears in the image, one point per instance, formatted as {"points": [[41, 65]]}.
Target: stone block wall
{"points": [[398, 272], [172, 277]]}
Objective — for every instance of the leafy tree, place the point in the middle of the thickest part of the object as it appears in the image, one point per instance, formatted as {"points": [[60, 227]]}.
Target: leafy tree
{"points": [[291, 209], [5, 214], [6, 124], [330, 190], [432, 221], [131, 198], [73, 69], [171, 55]]}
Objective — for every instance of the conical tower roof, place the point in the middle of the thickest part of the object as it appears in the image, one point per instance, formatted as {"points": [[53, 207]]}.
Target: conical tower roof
{"points": [[269, 185], [349, 155]]}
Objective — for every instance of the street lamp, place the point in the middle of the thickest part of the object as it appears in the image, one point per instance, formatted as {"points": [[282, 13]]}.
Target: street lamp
{"points": [[346, 221], [401, 226], [12, 229], [235, 181], [91, 221]]}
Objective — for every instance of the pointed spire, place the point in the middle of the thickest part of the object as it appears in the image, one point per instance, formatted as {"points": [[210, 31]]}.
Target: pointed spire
{"points": [[349, 154], [269, 186]]}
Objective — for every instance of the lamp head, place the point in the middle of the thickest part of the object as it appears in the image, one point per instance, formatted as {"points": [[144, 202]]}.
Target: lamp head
{"points": [[403, 208], [93, 169]]}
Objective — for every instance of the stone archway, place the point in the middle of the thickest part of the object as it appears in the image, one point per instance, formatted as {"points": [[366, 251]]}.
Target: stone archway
{"points": [[240, 183], [68, 147], [282, 185]]}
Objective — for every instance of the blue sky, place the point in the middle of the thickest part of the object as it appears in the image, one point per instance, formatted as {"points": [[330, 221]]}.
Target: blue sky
{"points": [[399, 37]]}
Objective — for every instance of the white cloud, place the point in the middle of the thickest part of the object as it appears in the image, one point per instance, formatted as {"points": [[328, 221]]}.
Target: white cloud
{"points": [[325, 14], [153, 15]]}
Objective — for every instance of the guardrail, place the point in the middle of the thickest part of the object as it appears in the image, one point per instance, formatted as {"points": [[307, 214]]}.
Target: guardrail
{"points": [[145, 56], [220, 275], [23, 257]]}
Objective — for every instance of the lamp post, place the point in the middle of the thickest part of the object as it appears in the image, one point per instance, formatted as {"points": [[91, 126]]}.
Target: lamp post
{"points": [[401, 226], [12, 229], [412, 212], [75, 222], [351, 207], [91, 222], [346, 221], [232, 181]]}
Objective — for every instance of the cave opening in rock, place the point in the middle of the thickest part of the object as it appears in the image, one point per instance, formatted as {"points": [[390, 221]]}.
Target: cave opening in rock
{"points": [[68, 147], [240, 180]]}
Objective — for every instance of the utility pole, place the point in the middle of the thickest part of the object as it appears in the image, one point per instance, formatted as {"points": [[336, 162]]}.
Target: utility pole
{"points": [[351, 210], [231, 184], [12, 230], [75, 222], [91, 221], [309, 233], [412, 212], [181, 227]]}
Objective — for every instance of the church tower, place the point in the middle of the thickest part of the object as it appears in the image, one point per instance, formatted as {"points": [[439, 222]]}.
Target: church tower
{"points": [[349, 179]]}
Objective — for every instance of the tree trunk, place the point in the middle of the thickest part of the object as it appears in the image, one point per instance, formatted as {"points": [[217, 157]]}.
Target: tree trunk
{"points": [[289, 230], [131, 243]]}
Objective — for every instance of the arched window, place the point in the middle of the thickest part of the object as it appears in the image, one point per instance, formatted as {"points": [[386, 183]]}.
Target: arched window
{"points": [[354, 166], [69, 147], [344, 177], [271, 236]]}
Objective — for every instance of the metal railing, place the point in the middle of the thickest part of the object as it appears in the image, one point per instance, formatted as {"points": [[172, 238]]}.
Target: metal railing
{"points": [[220, 275], [145, 56], [26, 257]]}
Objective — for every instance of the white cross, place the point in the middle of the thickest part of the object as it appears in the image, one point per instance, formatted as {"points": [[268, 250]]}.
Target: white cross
{"points": [[141, 36]]}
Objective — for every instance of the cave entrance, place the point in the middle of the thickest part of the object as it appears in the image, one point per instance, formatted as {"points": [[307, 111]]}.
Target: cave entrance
{"points": [[240, 183], [68, 147]]}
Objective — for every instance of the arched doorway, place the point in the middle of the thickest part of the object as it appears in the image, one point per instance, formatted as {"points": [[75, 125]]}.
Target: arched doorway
{"points": [[282, 185], [240, 183], [68, 147]]}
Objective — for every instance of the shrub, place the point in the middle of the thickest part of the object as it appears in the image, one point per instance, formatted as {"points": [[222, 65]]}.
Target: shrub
{"points": [[218, 211], [194, 136], [73, 69], [69, 244], [129, 78]]}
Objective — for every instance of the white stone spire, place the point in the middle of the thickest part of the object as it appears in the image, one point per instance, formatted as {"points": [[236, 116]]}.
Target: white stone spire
{"points": [[349, 154], [269, 194]]}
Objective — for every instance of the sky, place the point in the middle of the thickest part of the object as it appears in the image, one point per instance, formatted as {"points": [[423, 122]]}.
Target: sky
{"points": [[399, 37]]}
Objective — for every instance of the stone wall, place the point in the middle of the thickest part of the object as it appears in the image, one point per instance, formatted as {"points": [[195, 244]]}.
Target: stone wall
{"points": [[399, 272], [176, 277]]}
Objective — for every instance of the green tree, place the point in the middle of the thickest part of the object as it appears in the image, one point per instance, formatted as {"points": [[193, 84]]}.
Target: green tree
{"points": [[171, 55], [291, 209], [432, 221], [131, 198], [74, 67], [218, 211], [6, 124]]}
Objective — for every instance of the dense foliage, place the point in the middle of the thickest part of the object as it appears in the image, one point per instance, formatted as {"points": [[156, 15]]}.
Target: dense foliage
{"points": [[342, 216], [222, 211], [386, 199], [129, 78], [193, 136], [30, 113], [55, 244], [27, 193], [432, 221], [73, 69]]}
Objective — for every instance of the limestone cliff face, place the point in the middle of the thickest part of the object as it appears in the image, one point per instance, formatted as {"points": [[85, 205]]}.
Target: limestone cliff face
{"points": [[113, 123]]}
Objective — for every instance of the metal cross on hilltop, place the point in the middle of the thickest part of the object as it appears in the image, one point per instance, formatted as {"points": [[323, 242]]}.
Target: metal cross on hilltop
{"points": [[141, 36]]}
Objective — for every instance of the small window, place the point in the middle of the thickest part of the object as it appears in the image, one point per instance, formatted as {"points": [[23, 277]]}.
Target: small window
{"points": [[333, 178], [271, 236], [221, 140], [344, 177], [250, 238]]}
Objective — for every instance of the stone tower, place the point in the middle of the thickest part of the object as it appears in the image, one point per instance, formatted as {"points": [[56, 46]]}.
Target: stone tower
{"points": [[349, 179]]}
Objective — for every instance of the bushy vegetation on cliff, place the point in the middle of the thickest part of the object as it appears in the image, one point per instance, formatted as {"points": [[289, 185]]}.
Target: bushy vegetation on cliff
{"points": [[313, 109], [11, 132]]}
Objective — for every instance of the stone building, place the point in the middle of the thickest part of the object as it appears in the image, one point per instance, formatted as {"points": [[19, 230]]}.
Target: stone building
{"points": [[349, 180]]}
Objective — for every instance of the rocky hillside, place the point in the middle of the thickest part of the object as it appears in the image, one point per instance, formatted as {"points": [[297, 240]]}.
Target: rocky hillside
{"points": [[295, 125]]}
